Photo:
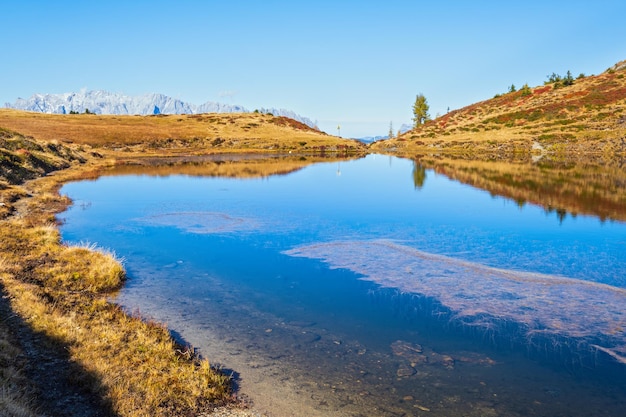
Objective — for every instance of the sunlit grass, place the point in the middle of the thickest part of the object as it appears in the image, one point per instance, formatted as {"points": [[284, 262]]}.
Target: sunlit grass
{"points": [[87, 268], [16, 395], [586, 117], [206, 133], [61, 291]]}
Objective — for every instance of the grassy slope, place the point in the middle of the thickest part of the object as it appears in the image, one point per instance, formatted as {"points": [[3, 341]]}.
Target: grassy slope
{"points": [[203, 133], [58, 293], [587, 117]]}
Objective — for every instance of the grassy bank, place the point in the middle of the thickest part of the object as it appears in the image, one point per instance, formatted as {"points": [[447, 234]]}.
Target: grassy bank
{"points": [[55, 296], [64, 348]]}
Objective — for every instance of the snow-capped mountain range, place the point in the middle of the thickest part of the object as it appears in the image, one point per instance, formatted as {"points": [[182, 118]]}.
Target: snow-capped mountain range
{"points": [[104, 102]]}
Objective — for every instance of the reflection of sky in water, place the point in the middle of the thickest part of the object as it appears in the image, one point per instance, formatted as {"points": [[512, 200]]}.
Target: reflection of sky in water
{"points": [[372, 198], [220, 246], [545, 305], [202, 222]]}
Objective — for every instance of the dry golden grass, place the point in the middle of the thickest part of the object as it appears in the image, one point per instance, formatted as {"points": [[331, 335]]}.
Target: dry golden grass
{"points": [[61, 292], [23, 158], [586, 117], [85, 268], [204, 133], [16, 393]]}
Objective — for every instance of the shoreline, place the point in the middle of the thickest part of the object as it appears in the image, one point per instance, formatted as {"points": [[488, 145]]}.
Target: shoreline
{"points": [[119, 364], [33, 207], [209, 351], [27, 295]]}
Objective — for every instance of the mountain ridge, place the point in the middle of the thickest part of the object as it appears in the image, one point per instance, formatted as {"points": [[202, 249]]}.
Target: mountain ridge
{"points": [[105, 102]]}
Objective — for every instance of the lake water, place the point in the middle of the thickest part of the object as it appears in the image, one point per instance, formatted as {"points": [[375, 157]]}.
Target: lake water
{"points": [[371, 287]]}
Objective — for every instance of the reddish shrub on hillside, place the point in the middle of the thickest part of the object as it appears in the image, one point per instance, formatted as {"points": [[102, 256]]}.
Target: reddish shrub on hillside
{"points": [[541, 90], [576, 94], [285, 121]]}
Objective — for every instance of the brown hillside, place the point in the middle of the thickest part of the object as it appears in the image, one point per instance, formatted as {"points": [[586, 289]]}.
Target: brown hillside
{"points": [[202, 133], [586, 117]]}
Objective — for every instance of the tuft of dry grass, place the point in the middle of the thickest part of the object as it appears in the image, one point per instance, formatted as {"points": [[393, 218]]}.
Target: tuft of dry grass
{"points": [[86, 268]]}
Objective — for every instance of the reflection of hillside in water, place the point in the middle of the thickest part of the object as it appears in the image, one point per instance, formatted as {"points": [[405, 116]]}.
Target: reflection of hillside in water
{"points": [[589, 187], [219, 165]]}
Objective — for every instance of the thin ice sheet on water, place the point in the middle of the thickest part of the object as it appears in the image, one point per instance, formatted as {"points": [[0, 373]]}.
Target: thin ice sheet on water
{"points": [[480, 295], [202, 222]]}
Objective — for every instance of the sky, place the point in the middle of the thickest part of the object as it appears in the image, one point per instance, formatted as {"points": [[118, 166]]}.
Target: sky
{"points": [[357, 65]]}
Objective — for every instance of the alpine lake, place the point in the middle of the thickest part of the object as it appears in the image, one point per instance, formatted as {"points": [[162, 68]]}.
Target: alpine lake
{"points": [[379, 286]]}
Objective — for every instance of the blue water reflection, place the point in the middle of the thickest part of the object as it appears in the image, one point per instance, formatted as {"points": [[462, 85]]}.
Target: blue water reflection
{"points": [[197, 243], [372, 198]]}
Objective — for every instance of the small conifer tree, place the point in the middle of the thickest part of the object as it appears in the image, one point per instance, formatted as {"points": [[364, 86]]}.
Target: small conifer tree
{"points": [[420, 110]]}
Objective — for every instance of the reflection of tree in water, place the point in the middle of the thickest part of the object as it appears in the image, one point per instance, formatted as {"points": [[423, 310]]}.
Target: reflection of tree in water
{"points": [[563, 188], [561, 214], [419, 175]]}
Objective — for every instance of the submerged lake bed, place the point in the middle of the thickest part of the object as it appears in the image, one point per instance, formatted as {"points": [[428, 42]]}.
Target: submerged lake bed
{"points": [[375, 286]]}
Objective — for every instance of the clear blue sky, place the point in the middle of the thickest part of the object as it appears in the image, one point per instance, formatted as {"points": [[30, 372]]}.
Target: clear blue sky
{"points": [[358, 64]]}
